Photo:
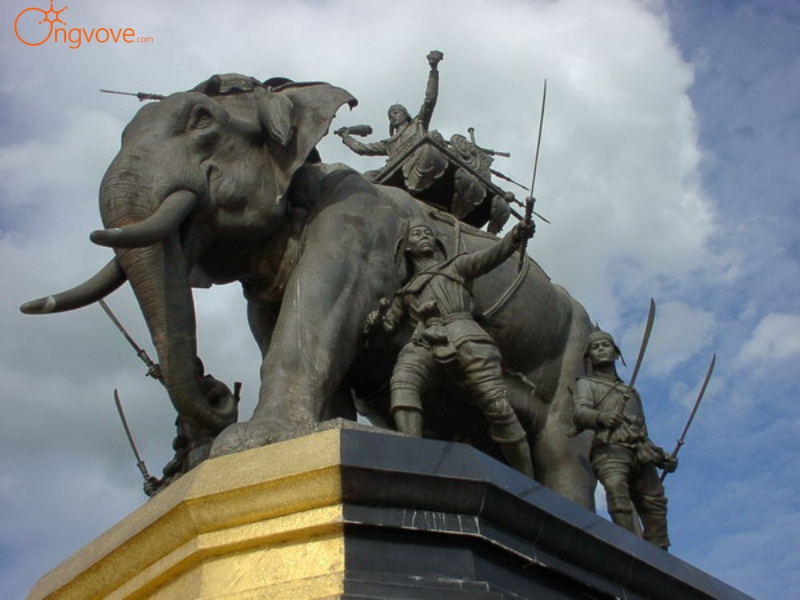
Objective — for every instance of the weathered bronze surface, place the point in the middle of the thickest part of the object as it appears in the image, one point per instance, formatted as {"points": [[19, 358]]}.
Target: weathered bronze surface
{"points": [[223, 183], [623, 457], [454, 175], [447, 338]]}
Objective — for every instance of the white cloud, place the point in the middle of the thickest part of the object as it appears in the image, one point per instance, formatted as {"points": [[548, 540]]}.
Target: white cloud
{"points": [[680, 331], [619, 176], [775, 340]]}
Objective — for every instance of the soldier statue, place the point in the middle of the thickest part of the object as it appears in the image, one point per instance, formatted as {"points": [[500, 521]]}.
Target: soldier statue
{"points": [[624, 459], [423, 166], [438, 300]]}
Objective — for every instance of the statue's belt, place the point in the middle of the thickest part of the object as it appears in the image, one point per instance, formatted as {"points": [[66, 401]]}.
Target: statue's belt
{"points": [[433, 334], [448, 319], [642, 448]]}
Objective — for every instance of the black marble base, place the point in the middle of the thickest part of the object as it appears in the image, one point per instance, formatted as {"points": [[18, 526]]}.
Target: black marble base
{"points": [[434, 520]]}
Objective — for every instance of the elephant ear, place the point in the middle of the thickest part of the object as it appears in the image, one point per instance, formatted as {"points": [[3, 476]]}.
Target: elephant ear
{"points": [[275, 112], [297, 116]]}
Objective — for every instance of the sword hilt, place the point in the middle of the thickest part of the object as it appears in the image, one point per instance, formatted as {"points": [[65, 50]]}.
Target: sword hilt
{"points": [[529, 202]]}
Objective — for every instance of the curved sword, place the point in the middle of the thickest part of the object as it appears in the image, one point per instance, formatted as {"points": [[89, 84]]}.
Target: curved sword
{"points": [[648, 328], [682, 439]]}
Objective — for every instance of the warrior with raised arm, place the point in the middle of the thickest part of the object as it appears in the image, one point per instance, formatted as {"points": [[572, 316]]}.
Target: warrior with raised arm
{"points": [[438, 300], [425, 164]]}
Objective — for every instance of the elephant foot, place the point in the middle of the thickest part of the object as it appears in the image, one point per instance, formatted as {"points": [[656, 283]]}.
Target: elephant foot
{"points": [[240, 437], [251, 434]]}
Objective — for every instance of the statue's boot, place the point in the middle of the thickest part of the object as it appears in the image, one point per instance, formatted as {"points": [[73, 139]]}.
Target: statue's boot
{"points": [[625, 519], [408, 421], [655, 530], [518, 455]]}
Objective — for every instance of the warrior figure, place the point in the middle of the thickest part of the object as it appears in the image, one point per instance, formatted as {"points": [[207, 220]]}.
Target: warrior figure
{"points": [[423, 166], [438, 300], [624, 459]]}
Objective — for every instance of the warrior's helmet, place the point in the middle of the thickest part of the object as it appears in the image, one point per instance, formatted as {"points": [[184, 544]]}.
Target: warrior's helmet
{"points": [[597, 335]]}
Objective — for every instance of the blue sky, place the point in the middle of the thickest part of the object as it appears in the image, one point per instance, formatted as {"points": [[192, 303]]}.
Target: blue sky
{"points": [[668, 169]]}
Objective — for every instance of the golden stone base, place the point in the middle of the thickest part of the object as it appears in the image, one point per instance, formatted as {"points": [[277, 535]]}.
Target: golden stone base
{"points": [[266, 523], [350, 513]]}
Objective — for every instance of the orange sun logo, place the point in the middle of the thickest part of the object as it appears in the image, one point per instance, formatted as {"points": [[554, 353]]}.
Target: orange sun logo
{"points": [[50, 16]]}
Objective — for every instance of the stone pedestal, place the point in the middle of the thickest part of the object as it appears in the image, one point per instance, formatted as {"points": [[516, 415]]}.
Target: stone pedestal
{"points": [[351, 512]]}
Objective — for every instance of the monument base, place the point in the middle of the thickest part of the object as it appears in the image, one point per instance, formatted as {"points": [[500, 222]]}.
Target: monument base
{"points": [[351, 512]]}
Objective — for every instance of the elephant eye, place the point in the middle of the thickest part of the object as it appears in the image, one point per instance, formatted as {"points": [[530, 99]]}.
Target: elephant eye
{"points": [[201, 118]]}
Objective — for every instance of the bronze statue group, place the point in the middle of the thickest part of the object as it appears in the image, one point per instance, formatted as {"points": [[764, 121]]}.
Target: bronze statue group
{"points": [[437, 300], [434, 300]]}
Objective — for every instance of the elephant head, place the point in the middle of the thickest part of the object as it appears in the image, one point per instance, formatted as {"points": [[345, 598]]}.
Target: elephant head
{"points": [[207, 167]]}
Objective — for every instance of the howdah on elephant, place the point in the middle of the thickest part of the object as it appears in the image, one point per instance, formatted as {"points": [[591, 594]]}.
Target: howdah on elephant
{"points": [[223, 183]]}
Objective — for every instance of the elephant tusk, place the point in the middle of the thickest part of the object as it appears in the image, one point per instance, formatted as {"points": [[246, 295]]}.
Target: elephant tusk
{"points": [[165, 220], [105, 281]]}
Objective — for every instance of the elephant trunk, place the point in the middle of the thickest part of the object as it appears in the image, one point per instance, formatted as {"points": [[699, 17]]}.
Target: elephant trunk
{"points": [[159, 278], [158, 274]]}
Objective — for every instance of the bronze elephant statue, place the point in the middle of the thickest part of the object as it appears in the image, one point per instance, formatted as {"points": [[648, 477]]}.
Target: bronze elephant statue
{"points": [[223, 183]]}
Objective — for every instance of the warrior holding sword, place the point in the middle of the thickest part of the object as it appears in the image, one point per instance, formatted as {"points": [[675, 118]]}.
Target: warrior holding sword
{"points": [[438, 300], [623, 458]]}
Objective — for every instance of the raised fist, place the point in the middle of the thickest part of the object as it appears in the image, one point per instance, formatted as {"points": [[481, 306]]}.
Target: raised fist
{"points": [[434, 58]]}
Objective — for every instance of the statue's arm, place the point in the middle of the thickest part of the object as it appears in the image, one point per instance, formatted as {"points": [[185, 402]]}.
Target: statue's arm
{"points": [[394, 315], [432, 91], [584, 414], [481, 262], [370, 149], [387, 317]]}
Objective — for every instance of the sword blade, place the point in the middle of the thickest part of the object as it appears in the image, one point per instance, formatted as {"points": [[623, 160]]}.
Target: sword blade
{"points": [[682, 439], [699, 398], [139, 462], [153, 370], [539, 137], [648, 328], [530, 202], [119, 325]]}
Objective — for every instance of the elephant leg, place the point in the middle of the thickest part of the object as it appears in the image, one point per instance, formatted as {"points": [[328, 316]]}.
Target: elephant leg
{"points": [[261, 317], [341, 405], [316, 336], [561, 458]]}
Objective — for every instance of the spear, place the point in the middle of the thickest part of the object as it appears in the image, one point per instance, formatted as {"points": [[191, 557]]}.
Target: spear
{"points": [[139, 462], [682, 439], [506, 178], [142, 96], [530, 200]]}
